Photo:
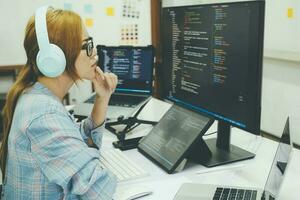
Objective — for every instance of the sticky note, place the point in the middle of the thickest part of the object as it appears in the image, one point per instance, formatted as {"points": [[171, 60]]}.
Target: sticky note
{"points": [[110, 11], [88, 8], [67, 6], [290, 13], [89, 22]]}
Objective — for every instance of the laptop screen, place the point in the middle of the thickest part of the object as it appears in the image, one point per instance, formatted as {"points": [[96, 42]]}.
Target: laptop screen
{"points": [[133, 66], [279, 164]]}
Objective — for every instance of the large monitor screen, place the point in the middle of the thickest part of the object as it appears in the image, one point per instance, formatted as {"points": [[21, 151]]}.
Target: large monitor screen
{"points": [[170, 141], [133, 66], [212, 60]]}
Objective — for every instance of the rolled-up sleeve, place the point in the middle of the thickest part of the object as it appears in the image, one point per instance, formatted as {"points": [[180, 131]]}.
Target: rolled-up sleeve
{"points": [[66, 160], [89, 129]]}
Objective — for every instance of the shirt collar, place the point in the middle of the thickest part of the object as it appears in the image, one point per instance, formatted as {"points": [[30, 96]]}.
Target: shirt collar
{"points": [[41, 88]]}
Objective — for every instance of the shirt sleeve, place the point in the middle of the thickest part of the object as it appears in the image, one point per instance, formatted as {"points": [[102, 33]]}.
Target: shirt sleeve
{"points": [[89, 129], [66, 160]]}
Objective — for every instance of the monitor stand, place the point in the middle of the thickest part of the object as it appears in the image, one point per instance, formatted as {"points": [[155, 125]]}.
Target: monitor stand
{"points": [[218, 151], [131, 123]]}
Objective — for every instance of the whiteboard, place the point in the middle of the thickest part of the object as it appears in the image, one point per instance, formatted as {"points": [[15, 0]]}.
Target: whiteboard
{"points": [[282, 32], [106, 28]]}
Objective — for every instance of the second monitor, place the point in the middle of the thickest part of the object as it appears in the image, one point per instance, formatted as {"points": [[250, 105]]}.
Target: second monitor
{"points": [[134, 68]]}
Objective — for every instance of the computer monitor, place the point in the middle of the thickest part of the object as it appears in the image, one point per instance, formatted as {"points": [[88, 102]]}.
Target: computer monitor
{"points": [[212, 63], [133, 65]]}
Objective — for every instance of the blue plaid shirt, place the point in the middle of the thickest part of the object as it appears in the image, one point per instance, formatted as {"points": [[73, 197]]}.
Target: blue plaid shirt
{"points": [[48, 157]]}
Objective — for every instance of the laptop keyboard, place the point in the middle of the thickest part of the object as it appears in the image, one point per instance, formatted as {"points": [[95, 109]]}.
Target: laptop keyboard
{"points": [[232, 193], [121, 100]]}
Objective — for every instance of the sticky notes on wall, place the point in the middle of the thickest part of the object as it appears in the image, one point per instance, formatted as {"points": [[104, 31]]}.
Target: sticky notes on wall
{"points": [[131, 9], [290, 12], [89, 22], [130, 34], [67, 6], [110, 11], [88, 9]]}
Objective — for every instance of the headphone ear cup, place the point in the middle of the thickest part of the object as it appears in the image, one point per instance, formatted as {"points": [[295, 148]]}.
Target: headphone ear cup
{"points": [[51, 62]]}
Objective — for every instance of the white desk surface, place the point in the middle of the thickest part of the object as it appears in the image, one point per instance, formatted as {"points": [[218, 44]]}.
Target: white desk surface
{"points": [[249, 173]]}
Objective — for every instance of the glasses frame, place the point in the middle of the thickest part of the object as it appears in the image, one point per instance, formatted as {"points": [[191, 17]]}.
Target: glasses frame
{"points": [[88, 46]]}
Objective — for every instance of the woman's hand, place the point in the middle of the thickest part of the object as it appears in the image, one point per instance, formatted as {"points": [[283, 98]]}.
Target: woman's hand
{"points": [[104, 83]]}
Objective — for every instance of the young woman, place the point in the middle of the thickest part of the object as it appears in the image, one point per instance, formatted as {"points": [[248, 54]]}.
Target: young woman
{"points": [[44, 153]]}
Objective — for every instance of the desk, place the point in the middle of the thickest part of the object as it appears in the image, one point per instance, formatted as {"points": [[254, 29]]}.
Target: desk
{"points": [[251, 173]]}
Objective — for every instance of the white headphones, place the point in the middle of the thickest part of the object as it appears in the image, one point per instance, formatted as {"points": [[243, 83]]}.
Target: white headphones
{"points": [[50, 60]]}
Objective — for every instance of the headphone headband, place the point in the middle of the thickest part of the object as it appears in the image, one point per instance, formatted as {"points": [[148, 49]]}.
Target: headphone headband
{"points": [[41, 27]]}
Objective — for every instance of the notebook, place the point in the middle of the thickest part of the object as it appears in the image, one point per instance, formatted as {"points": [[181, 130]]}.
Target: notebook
{"points": [[193, 191], [134, 67]]}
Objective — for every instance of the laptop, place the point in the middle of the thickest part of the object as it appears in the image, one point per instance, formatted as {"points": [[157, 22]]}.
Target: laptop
{"points": [[134, 67], [193, 191]]}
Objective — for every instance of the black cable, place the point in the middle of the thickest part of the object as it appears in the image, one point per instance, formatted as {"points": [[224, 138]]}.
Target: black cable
{"points": [[207, 134]]}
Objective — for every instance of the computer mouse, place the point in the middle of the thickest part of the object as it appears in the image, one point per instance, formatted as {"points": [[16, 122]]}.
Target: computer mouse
{"points": [[130, 193]]}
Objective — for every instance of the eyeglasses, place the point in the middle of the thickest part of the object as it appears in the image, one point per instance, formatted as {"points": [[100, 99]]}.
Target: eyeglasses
{"points": [[88, 46]]}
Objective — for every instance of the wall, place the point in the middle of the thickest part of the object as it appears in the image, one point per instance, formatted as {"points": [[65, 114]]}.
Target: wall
{"points": [[281, 69], [281, 97], [106, 27], [282, 28]]}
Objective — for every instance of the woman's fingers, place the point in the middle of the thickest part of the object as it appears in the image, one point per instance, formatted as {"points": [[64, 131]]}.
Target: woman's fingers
{"points": [[115, 79], [100, 72], [110, 79]]}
